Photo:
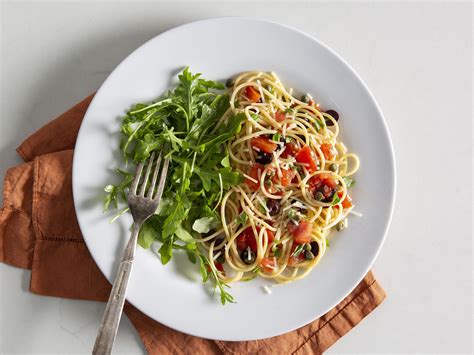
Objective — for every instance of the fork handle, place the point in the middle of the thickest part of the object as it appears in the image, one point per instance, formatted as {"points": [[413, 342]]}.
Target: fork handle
{"points": [[113, 311]]}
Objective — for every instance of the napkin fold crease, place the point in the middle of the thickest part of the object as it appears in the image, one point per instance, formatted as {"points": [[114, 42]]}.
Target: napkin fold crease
{"points": [[39, 231]]}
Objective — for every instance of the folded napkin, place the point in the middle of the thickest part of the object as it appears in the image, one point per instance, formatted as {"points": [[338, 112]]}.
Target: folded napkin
{"points": [[39, 231]]}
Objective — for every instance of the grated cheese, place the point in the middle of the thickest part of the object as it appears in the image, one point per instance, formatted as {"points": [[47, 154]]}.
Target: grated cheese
{"points": [[275, 159], [358, 214], [267, 289]]}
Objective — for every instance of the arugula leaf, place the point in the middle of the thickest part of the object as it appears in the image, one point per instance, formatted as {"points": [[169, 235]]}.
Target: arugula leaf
{"points": [[166, 250], [147, 235], [225, 162], [183, 234], [191, 125], [205, 224]]}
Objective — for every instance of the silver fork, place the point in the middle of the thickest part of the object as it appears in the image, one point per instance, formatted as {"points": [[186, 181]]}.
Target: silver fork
{"points": [[142, 206]]}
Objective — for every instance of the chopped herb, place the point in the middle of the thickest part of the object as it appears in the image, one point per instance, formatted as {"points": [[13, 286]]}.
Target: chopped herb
{"points": [[241, 219], [349, 181], [289, 110], [255, 116], [318, 125], [292, 213], [298, 250], [327, 243], [276, 250], [276, 137], [335, 199]]}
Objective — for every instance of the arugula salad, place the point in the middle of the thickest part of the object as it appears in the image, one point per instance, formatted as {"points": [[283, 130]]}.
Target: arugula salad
{"points": [[191, 124]]}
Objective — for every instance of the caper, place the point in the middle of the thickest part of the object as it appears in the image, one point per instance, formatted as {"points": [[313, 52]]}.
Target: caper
{"points": [[307, 247], [308, 255], [333, 167], [340, 226], [247, 256], [318, 196], [221, 259], [230, 82]]}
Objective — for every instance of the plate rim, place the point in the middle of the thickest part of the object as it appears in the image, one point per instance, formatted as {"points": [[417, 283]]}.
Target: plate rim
{"points": [[391, 157]]}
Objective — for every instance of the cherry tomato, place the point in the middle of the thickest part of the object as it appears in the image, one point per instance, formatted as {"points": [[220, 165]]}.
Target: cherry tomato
{"points": [[290, 149], [268, 264], [280, 116], [328, 151], [302, 233], [264, 144], [306, 155], [253, 173], [252, 94]]}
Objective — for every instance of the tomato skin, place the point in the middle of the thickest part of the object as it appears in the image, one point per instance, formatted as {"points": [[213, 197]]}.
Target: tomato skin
{"points": [[328, 151], [347, 202], [287, 176], [252, 94], [247, 239], [219, 266], [270, 236], [280, 116], [264, 144], [305, 155], [293, 260], [253, 173], [290, 149], [302, 233], [267, 264], [241, 242]]}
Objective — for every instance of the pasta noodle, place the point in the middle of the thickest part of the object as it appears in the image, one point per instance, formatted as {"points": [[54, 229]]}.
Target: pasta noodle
{"points": [[276, 223]]}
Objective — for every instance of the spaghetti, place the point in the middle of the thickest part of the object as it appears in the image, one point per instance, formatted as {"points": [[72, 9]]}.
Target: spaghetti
{"points": [[295, 191]]}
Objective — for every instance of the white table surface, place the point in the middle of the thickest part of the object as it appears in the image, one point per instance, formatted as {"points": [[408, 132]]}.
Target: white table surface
{"points": [[417, 60]]}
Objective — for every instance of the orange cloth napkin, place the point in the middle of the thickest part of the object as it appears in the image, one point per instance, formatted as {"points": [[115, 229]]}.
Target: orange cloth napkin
{"points": [[39, 231]]}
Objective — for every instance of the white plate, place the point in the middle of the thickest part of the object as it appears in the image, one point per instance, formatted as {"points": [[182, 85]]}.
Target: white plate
{"points": [[220, 48]]}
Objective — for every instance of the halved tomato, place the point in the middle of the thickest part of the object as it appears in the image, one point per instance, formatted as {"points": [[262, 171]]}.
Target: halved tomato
{"points": [[253, 173], [328, 150], [252, 94], [247, 239], [268, 264], [270, 236], [219, 266], [264, 144], [302, 233], [323, 183], [290, 149], [280, 116], [293, 260], [286, 178], [347, 202], [305, 155]]}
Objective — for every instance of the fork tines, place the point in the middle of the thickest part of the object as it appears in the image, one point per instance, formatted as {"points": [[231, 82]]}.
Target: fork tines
{"points": [[144, 180]]}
